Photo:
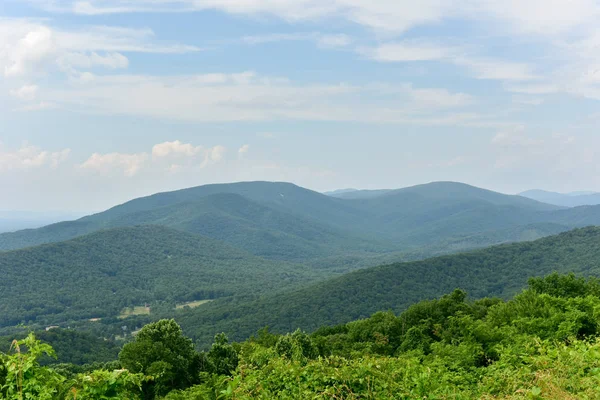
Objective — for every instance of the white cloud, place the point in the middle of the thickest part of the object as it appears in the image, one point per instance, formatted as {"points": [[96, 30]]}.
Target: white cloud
{"points": [[88, 61], [26, 92], [35, 47], [129, 164], [410, 51], [426, 50], [28, 157], [175, 148], [244, 149], [540, 17], [248, 96], [533, 88], [497, 69], [327, 41], [213, 155], [24, 53], [172, 156]]}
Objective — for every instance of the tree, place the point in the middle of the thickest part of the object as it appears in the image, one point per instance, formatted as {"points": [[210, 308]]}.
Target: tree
{"points": [[222, 357], [162, 351]]}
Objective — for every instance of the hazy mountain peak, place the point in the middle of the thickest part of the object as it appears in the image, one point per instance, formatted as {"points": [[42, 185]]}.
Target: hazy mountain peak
{"points": [[573, 199]]}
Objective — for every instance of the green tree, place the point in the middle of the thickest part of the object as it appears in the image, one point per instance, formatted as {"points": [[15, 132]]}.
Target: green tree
{"points": [[22, 377], [222, 357], [160, 350]]}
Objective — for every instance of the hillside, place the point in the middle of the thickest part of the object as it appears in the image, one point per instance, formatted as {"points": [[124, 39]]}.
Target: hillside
{"points": [[98, 275], [564, 199], [260, 229], [498, 271], [284, 221]]}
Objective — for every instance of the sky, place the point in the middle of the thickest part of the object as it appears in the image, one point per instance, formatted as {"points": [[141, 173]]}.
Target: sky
{"points": [[102, 101]]}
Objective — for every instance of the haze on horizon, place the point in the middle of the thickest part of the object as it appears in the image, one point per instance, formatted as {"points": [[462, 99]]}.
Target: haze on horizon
{"points": [[105, 101]]}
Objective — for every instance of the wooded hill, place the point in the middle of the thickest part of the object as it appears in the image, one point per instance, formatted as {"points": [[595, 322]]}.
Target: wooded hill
{"points": [[499, 271], [98, 275], [286, 222]]}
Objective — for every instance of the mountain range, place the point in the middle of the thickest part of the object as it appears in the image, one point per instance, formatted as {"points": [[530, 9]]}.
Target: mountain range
{"points": [[287, 222], [235, 242], [575, 199]]}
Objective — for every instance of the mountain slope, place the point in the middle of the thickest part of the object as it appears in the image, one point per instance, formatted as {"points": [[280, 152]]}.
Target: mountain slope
{"points": [[564, 199], [263, 230], [285, 196], [497, 271], [99, 274], [285, 222]]}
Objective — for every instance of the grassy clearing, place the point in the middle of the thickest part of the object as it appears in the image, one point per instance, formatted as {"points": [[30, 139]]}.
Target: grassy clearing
{"points": [[139, 310], [192, 304]]}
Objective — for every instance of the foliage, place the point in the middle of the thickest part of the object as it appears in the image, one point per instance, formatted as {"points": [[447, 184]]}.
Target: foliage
{"points": [[160, 350], [499, 271], [222, 358], [72, 347], [544, 343], [98, 275], [22, 377]]}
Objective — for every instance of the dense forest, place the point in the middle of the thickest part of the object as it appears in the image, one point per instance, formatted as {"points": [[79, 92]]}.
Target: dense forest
{"points": [[99, 275], [497, 271], [541, 344]]}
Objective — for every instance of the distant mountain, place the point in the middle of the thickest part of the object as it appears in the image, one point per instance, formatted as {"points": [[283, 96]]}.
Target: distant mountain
{"points": [[262, 229], [574, 199], [11, 221], [337, 192], [97, 275], [282, 221], [357, 194], [498, 271]]}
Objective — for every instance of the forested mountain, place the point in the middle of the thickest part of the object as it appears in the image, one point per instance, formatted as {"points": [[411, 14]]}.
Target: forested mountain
{"points": [[253, 238], [285, 222], [498, 271], [260, 229], [576, 199], [98, 275]]}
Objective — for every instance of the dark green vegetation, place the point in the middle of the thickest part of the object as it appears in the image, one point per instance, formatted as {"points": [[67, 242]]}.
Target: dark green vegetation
{"points": [[541, 344], [98, 275], [72, 347], [498, 271]]}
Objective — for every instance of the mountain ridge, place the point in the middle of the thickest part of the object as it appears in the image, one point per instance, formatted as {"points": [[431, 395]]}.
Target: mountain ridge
{"points": [[497, 271]]}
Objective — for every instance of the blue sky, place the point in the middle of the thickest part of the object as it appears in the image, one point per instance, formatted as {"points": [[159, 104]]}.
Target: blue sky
{"points": [[105, 100]]}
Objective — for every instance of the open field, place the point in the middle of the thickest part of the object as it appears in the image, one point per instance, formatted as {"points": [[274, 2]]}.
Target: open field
{"points": [[192, 304]]}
